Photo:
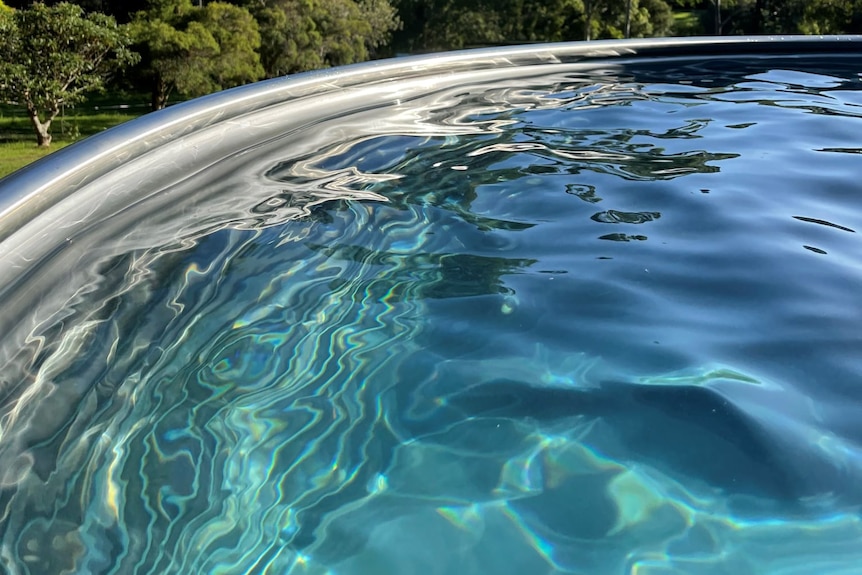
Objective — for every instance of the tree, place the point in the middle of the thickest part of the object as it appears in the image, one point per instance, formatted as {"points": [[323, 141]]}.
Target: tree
{"points": [[628, 18], [651, 18], [122, 10], [750, 16], [238, 38], [634, 18], [383, 20], [289, 39], [447, 24], [299, 35], [52, 56], [832, 17], [196, 50], [590, 7], [717, 16], [782, 16], [540, 20]]}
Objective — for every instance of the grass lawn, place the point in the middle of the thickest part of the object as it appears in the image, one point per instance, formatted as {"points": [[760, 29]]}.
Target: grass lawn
{"points": [[14, 155], [18, 140]]}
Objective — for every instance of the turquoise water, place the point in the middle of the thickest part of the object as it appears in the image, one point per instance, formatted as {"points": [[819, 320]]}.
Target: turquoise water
{"points": [[595, 323]]}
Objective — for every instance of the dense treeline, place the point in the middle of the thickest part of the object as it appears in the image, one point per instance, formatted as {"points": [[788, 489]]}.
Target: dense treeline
{"points": [[193, 47], [777, 16], [298, 35], [319, 33], [196, 47]]}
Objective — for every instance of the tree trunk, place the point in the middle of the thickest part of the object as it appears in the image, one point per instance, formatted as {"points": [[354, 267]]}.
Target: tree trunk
{"points": [[758, 17], [628, 18], [717, 17], [43, 136], [159, 95], [588, 19]]}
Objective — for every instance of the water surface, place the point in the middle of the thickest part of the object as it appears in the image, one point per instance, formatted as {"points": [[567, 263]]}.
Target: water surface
{"points": [[579, 322]]}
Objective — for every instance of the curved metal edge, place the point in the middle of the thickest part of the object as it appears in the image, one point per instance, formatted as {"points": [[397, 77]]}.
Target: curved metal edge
{"points": [[32, 189]]}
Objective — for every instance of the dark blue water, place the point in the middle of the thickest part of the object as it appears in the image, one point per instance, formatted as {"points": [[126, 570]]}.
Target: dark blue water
{"points": [[575, 323]]}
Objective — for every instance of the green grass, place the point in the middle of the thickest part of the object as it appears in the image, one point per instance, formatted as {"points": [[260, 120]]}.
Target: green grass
{"points": [[18, 140], [15, 155]]}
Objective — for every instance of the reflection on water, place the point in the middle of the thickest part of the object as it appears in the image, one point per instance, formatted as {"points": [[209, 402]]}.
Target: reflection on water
{"points": [[411, 348]]}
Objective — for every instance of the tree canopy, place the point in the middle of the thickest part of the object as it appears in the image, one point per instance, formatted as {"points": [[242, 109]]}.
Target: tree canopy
{"points": [[777, 16], [196, 49], [300, 35], [446, 24], [52, 56]]}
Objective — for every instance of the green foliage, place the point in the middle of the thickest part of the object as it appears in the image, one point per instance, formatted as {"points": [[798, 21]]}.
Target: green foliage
{"points": [[52, 56], [383, 20], [196, 50], [831, 17], [343, 30], [785, 16], [687, 24], [289, 39], [447, 24], [764, 17], [299, 35], [654, 18], [236, 33]]}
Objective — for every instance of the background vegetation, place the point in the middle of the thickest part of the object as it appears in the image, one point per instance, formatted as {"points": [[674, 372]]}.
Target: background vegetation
{"points": [[157, 50]]}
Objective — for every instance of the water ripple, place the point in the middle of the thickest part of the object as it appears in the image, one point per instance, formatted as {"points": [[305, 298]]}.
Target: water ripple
{"points": [[404, 342]]}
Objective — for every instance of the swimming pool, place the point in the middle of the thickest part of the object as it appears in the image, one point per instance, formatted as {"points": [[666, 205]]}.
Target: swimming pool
{"points": [[555, 309]]}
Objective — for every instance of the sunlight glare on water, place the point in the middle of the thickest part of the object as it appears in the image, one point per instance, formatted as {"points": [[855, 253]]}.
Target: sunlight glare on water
{"points": [[572, 323]]}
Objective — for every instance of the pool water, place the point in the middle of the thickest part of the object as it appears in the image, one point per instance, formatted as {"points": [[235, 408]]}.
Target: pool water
{"points": [[601, 322]]}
